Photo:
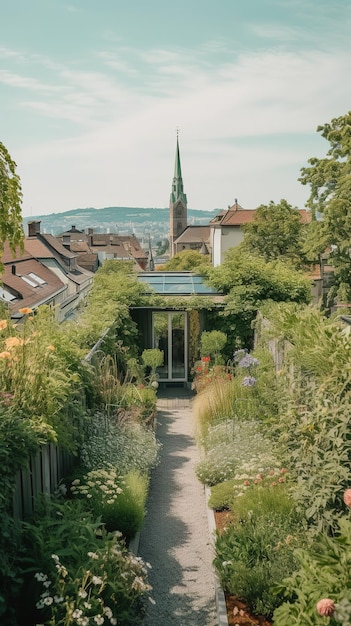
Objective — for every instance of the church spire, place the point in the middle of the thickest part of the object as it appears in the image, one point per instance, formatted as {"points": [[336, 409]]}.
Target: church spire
{"points": [[178, 202], [177, 186]]}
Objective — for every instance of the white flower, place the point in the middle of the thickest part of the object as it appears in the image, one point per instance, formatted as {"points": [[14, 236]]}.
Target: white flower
{"points": [[96, 580], [113, 620], [99, 619], [48, 600], [77, 613], [40, 577], [82, 593], [108, 612], [93, 555]]}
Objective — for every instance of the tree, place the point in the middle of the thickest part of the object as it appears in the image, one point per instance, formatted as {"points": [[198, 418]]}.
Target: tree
{"points": [[10, 203], [247, 282], [275, 232], [188, 261], [330, 182]]}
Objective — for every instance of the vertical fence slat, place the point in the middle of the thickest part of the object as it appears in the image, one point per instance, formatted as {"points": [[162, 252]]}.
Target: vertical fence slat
{"points": [[37, 480], [43, 474], [17, 499], [45, 467], [53, 467]]}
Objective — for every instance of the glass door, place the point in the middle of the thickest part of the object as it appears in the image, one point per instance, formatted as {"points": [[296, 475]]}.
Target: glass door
{"points": [[170, 335]]}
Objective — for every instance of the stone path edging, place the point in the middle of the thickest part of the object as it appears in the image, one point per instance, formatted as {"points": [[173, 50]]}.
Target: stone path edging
{"points": [[220, 599]]}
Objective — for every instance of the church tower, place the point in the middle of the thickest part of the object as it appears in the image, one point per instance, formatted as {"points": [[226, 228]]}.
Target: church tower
{"points": [[177, 204]]}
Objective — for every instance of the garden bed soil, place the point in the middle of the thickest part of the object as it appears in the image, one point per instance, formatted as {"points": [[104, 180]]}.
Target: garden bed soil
{"points": [[237, 611]]}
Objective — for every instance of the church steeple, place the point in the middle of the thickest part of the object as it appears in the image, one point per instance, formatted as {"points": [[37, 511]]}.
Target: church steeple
{"points": [[178, 203]]}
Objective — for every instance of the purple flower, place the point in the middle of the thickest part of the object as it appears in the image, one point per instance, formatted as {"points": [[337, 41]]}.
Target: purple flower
{"points": [[248, 361], [248, 381], [239, 354]]}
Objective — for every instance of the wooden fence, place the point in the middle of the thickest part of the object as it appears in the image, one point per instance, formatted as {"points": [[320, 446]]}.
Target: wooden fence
{"points": [[42, 475]]}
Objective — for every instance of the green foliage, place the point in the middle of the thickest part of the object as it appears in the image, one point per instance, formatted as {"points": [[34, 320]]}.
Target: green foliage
{"points": [[324, 572], [18, 440], [152, 358], [256, 550], [330, 182], [119, 501], [127, 448], [234, 449], [222, 398], [312, 426], [212, 343], [222, 494], [41, 376], [275, 232], [91, 573], [248, 281], [118, 288], [10, 203], [128, 512], [188, 261]]}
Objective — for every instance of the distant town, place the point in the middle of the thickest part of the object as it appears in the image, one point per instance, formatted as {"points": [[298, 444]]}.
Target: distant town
{"points": [[144, 223]]}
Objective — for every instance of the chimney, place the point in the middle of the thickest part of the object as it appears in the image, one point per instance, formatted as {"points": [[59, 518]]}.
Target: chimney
{"points": [[66, 241], [34, 228], [13, 269]]}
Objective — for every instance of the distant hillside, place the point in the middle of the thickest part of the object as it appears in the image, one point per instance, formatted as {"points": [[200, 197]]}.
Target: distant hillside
{"points": [[124, 220]]}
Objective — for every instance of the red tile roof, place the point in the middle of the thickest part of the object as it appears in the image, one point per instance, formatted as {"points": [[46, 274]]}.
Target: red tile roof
{"points": [[237, 216], [16, 274]]}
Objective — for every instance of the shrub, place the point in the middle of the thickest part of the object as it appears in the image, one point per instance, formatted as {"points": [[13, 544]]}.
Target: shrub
{"points": [[256, 550], [212, 343], [234, 450], [128, 512], [76, 573], [119, 501], [323, 572], [131, 447]]}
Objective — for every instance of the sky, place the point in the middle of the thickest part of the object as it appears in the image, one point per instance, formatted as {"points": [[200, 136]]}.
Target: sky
{"points": [[92, 93]]}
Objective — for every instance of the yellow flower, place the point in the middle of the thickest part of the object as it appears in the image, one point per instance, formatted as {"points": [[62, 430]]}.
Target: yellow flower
{"points": [[12, 342], [51, 347], [26, 310], [3, 324], [5, 355]]}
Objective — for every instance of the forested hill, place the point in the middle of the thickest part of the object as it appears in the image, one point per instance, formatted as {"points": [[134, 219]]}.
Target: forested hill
{"points": [[117, 219]]}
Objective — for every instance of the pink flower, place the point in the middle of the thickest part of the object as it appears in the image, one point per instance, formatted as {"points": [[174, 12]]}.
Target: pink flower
{"points": [[326, 607], [271, 473], [283, 470], [274, 484], [246, 483], [347, 497], [281, 479]]}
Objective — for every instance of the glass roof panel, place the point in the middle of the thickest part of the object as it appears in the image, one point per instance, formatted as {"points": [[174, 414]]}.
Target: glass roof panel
{"points": [[176, 282]]}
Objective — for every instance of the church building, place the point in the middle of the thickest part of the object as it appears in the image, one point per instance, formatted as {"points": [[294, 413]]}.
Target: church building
{"points": [[178, 204]]}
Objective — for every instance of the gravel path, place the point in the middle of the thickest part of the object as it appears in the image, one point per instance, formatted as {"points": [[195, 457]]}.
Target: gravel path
{"points": [[175, 538]]}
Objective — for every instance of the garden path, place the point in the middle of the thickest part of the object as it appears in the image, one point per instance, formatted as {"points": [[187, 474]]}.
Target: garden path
{"points": [[175, 538]]}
